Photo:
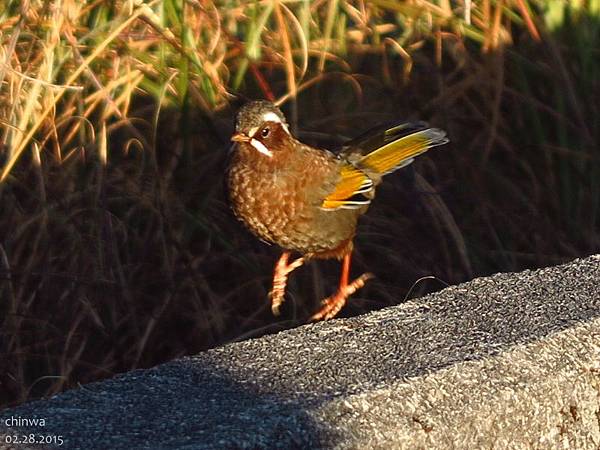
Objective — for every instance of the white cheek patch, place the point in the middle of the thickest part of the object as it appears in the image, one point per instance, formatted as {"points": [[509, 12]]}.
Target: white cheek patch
{"points": [[261, 147]]}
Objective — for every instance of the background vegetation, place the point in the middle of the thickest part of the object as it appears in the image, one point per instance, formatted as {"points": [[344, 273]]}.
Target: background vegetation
{"points": [[117, 248]]}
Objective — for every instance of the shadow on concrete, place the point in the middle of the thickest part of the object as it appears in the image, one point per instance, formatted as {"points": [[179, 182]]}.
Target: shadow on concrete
{"points": [[175, 405]]}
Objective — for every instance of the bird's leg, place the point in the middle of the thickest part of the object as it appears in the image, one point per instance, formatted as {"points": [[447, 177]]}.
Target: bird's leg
{"points": [[332, 305], [280, 276]]}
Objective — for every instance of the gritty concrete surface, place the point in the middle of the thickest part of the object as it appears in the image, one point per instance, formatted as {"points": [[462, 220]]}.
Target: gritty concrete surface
{"points": [[508, 361]]}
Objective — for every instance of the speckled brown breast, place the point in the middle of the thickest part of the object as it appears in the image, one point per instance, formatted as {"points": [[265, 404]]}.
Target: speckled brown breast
{"points": [[279, 199]]}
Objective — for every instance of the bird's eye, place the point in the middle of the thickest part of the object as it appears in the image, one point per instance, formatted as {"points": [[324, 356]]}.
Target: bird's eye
{"points": [[265, 132]]}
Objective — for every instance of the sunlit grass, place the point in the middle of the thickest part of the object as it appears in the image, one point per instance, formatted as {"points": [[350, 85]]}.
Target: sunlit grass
{"points": [[65, 62]]}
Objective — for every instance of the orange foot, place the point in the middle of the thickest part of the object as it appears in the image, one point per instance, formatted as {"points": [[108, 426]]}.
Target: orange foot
{"points": [[280, 276], [332, 305]]}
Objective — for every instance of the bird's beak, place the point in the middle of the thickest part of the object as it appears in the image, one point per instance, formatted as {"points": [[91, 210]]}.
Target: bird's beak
{"points": [[240, 137]]}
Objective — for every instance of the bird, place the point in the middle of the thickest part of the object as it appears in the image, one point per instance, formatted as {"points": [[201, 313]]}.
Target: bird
{"points": [[307, 200]]}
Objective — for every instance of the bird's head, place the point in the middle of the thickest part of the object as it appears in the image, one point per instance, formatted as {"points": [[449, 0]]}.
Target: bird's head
{"points": [[262, 125]]}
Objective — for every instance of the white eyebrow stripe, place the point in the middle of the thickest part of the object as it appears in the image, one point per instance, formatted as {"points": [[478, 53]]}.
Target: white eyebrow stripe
{"points": [[270, 116], [261, 147]]}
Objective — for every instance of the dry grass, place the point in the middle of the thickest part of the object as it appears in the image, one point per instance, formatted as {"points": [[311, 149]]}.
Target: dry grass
{"points": [[117, 249]]}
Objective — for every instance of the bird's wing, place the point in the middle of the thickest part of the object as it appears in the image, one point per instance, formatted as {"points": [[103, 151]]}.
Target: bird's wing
{"points": [[376, 153], [350, 189]]}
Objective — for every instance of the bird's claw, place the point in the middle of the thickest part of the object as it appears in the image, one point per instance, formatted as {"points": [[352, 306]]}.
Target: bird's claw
{"points": [[333, 304], [276, 300], [282, 271]]}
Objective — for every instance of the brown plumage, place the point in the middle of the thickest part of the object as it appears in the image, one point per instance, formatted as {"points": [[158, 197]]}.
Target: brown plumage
{"points": [[308, 200]]}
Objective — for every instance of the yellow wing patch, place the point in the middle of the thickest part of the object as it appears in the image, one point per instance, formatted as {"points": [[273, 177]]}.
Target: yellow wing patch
{"points": [[401, 152], [351, 183]]}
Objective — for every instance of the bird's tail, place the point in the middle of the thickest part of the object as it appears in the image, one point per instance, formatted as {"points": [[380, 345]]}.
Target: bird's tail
{"points": [[374, 154], [400, 145]]}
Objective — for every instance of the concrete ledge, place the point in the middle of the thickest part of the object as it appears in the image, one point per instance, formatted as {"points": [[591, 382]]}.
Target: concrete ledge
{"points": [[508, 361]]}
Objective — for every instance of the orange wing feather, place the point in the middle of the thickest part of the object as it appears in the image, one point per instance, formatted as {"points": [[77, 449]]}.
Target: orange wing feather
{"points": [[352, 181]]}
